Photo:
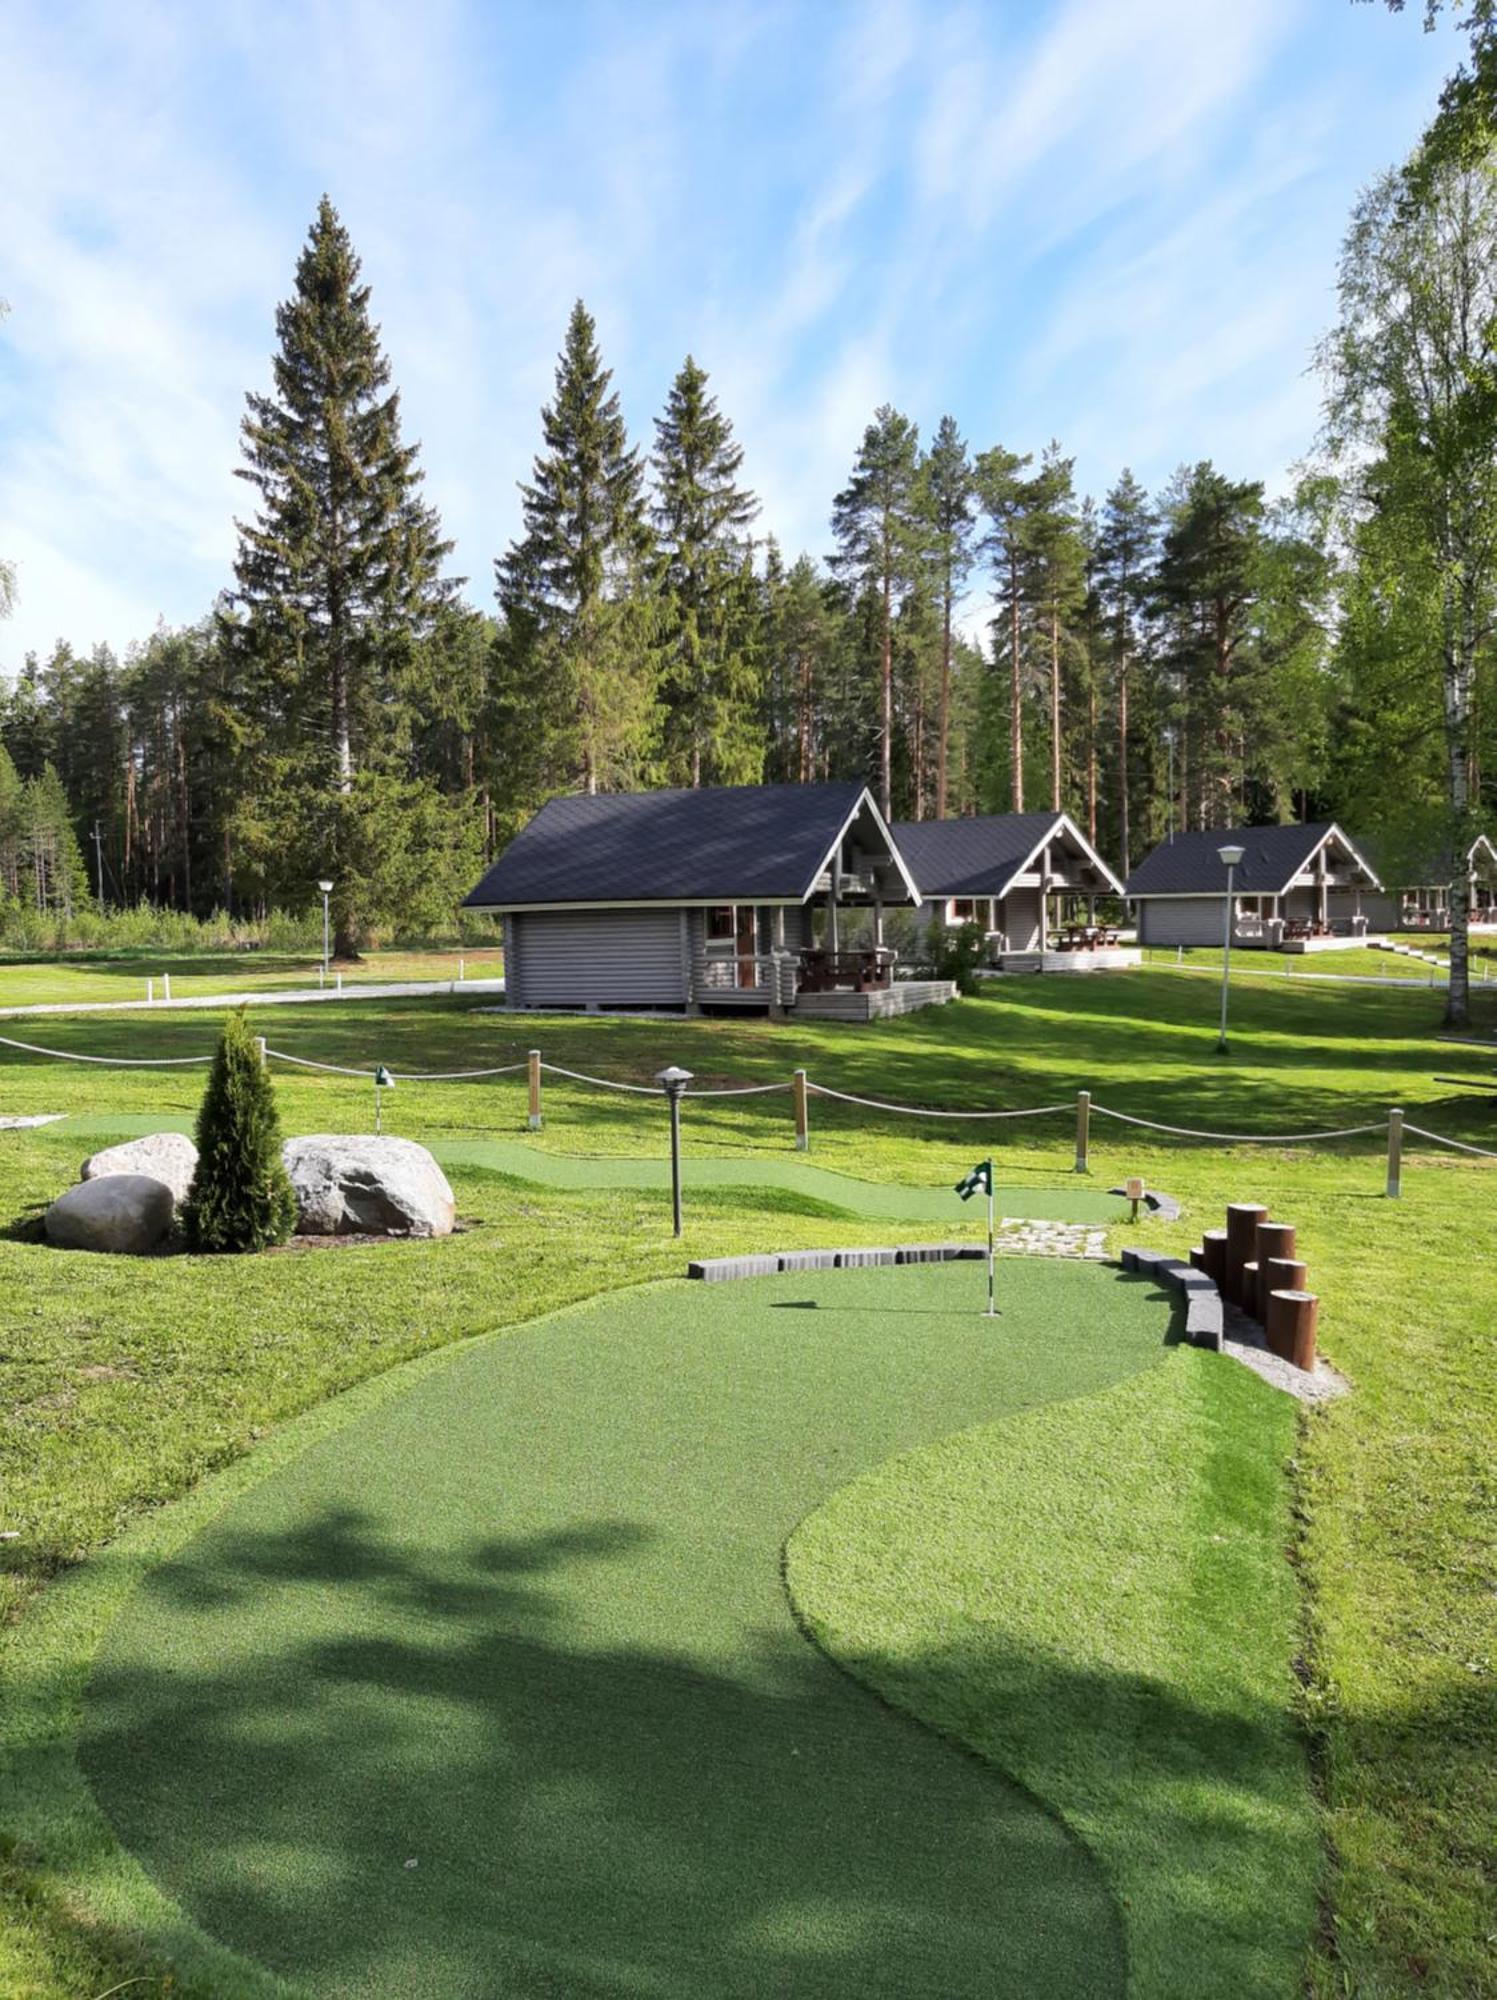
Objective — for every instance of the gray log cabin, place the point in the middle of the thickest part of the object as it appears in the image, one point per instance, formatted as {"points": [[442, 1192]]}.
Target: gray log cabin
{"points": [[1297, 888], [1421, 902], [731, 897], [1031, 880]]}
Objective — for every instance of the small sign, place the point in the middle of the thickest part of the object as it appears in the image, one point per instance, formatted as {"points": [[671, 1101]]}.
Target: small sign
{"points": [[1134, 1188]]}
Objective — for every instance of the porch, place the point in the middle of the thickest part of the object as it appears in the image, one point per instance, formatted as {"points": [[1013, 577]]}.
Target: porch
{"points": [[856, 985], [1081, 958]]}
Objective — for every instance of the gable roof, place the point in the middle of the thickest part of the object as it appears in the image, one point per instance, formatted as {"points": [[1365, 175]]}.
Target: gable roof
{"points": [[1404, 866], [728, 843], [1189, 864], [981, 857]]}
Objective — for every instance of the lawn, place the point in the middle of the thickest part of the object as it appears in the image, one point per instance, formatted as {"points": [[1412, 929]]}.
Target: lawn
{"points": [[99, 977], [124, 1386]]}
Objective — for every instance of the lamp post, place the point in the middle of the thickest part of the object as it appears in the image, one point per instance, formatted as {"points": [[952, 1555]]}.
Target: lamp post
{"points": [[673, 1082], [327, 890], [1230, 856]]}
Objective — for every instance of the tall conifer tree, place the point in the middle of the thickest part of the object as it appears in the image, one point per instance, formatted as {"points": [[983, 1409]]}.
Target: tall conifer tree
{"points": [[1126, 542], [946, 498], [711, 696], [1006, 500], [573, 588]]}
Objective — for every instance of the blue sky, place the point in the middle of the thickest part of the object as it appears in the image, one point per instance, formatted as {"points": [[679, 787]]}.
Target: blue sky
{"points": [[1114, 222]]}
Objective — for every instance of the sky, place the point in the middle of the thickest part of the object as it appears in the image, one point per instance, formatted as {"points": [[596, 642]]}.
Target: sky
{"points": [[1110, 222]]}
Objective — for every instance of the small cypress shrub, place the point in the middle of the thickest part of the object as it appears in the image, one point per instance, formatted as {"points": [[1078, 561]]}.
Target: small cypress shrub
{"points": [[241, 1197]]}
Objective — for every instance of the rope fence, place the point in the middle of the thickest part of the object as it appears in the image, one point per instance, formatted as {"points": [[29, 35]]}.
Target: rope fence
{"points": [[673, 1085]]}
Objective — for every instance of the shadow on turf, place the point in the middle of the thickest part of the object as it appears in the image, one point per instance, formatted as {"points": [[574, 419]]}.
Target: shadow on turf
{"points": [[506, 1802]]}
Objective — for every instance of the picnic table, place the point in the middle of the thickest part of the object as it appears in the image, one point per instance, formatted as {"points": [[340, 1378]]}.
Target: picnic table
{"points": [[1085, 937]]}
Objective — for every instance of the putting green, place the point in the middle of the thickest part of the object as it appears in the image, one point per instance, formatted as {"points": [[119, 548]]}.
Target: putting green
{"points": [[887, 1200], [497, 1689]]}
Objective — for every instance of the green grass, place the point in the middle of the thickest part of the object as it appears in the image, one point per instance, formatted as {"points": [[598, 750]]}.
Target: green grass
{"points": [[101, 977], [1359, 960], [524, 1625], [121, 1385]]}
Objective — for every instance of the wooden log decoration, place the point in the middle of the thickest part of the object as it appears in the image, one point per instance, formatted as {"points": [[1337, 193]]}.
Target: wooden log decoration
{"points": [[1250, 1294], [1273, 1239], [1214, 1255], [1243, 1218], [1279, 1274], [1292, 1317], [1198, 1258]]}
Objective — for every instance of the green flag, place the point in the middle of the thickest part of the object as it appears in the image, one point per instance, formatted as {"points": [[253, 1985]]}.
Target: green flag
{"points": [[979, 1181]]}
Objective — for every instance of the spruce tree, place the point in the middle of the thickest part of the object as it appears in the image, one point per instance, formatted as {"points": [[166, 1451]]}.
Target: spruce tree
{"points": [[574, 590], [709, 686], [339, 575], [946, 500], [876, 520], [1055, 565], [241, 1197]]}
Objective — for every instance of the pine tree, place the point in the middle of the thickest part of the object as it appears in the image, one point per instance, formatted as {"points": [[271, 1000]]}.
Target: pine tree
{"points": [[580, 629], [946, 501], [1055, 568], [241, 1197], [1126, 546], [709, 687], [879, 534], [12, 828], [1006, 500], [55, 879]]}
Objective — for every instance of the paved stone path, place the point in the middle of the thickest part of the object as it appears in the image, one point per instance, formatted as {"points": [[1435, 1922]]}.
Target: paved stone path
{"points": [[1034, 1238], [11, 1123]]}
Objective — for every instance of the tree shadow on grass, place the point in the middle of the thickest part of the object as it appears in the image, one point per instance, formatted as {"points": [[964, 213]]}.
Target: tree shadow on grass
{"points": [[450, 1785]]}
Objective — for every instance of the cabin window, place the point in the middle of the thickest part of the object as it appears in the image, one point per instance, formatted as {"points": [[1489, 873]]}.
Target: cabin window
{"points": [[963, 909], [722, 924]]}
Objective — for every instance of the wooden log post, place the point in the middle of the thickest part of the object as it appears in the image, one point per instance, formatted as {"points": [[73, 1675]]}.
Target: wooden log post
{"points": [[1243, 1218], [1279, 1274], [1214, 1255], [1250, 1298], [1198, 1259], [1273, 1239], [261, 1045], [802, 1121], [1291, 1326], [1083, 1128], [534, 1120], [1395, 1152]]}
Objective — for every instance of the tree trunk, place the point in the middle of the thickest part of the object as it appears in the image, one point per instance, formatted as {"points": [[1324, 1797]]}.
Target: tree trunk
{"points": [[1055, 804], [1123, 766], [1091, 757], [1015, 697], [1459, 676], [943, 733], [886, 747]]}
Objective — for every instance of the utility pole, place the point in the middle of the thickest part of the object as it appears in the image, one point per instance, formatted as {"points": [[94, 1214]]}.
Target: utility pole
{"points": [[99, 864]]}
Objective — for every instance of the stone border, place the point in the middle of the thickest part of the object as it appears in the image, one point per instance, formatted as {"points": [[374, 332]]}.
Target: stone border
{"points": [[717, 1270], [1163, 1205], [1204, 1321]]}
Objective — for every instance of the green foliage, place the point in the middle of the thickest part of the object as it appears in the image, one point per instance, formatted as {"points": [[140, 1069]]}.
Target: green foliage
{"points": [[241, 1198], [955, 952]]}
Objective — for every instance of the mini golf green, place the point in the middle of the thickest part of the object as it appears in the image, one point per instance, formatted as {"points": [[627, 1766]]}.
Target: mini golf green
{"points": [[888, 1200], [496, 1689]]}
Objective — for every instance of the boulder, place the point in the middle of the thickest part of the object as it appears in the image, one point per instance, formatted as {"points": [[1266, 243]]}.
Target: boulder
{"points": [[126, 1213], [169, 1157], [367, 1187]]}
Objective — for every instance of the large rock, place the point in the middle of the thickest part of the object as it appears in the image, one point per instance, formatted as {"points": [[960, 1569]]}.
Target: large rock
{"points": [[367, 1187], [169, 1157], [128, 1213]]}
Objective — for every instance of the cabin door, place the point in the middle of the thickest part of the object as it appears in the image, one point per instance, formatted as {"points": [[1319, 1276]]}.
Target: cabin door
{"points": [[748, 946]]}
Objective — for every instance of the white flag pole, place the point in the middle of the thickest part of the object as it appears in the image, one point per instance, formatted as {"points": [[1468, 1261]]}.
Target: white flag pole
{"points": [[992, 1308]]}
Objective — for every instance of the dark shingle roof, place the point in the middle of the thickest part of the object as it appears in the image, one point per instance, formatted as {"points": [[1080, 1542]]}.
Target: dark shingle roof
{"points": [[1189, 864], [970, 857], [1406, 863], [737, 842]]}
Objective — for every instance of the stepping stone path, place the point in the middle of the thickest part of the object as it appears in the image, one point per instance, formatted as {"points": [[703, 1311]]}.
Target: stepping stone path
{"points": [[1031, 1238], [11, 1123]]}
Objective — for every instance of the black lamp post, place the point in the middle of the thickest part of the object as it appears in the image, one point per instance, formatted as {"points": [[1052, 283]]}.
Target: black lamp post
{"points": [[1230, 857]]}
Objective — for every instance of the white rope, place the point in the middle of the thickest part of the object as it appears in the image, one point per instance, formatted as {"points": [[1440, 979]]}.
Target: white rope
{"points": [[1240, 1138], [1460, 1145], [306, 1062], [741, 1090], [922, 1111], [400, 1075], [110, 1062], [603, 1082]]}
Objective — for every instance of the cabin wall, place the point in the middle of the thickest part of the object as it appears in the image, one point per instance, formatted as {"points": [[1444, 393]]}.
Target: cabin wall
{"points": [[1187, 920], [1019, 920], [598, 958]]}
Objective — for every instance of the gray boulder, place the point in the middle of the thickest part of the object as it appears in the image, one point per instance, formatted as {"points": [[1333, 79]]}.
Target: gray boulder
{"points": [[126, 1213], [169, 1157], [367, 1187]]}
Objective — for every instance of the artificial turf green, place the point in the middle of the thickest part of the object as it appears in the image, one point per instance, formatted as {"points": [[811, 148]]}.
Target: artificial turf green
{"points": [[497, 1688], [836, 1193]]}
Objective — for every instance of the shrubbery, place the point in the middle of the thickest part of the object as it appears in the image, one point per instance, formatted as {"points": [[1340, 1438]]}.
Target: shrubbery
{"points": [[956, 954], [241, 1197]]}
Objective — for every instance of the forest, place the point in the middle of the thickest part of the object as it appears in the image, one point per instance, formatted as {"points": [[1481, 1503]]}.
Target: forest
{"points": [[977, 635]]}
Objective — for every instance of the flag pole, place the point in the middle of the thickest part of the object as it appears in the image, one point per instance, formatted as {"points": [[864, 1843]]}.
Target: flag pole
{"points": [[992, 1308]]}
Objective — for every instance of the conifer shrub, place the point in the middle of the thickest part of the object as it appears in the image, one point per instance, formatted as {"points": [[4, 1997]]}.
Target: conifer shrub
{"points": [[241, 1197]]}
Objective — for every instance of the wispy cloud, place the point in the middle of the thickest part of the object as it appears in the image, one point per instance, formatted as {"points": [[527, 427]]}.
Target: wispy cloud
{"points": [[1110, 224]]}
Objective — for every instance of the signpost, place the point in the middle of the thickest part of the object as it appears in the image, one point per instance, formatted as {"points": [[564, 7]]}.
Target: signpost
{"points": [[980, 1180]]}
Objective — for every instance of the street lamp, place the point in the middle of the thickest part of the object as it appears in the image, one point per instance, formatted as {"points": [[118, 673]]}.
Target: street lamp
{"points": [[1230, 857], [673, 1082], [327, 890]]}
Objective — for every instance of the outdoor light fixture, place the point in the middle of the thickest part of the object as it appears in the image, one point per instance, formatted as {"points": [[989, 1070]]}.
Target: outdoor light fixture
{"points": [[382, 1081], [673, 1082], [327, 890], [1231, 856]]}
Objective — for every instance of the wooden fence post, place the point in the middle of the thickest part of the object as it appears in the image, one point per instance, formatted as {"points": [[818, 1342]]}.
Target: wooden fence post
{"points": [[264, 1055], [1083, 1128], [535, 1090], [1395, 1151], [802, 1122]]}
